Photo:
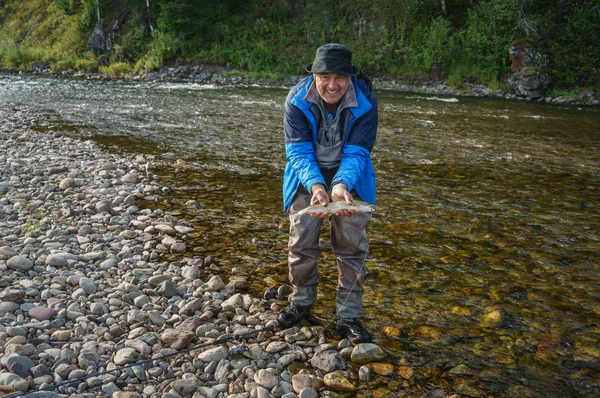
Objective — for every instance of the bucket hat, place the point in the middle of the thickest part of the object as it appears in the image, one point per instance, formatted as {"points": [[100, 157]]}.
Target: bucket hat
{"points": [[333, 58]]}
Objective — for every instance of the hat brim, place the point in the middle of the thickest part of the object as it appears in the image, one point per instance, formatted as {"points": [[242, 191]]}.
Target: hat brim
{"points": [[353, 73]]}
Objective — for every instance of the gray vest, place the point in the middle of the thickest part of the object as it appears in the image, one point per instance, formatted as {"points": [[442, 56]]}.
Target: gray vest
{"points": [[328, 150]]}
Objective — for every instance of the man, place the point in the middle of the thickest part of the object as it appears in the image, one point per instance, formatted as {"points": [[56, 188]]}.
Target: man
{"points": [[330, 125]]}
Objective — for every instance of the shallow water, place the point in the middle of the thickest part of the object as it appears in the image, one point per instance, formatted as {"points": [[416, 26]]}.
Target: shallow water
{"points": [[484, 244]]}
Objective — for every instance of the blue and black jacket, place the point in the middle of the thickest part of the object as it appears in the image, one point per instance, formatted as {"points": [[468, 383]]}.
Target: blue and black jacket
{"points": [[359, 131]]}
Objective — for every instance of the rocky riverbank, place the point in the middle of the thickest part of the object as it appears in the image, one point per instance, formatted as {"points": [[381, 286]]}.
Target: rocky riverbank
{"points": [[212, 75], [92, 281]]}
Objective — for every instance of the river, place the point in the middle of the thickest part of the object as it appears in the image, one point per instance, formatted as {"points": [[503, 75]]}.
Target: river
{"points": [[484, 273]]}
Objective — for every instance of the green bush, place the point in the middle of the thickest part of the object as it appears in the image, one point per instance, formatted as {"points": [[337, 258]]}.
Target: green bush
{"points": [[491, 27], [19, 56], [574, 50], [435, 51], [163, 47]]}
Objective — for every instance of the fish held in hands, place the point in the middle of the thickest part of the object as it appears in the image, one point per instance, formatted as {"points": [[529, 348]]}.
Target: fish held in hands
{"points": [[335, 207]]}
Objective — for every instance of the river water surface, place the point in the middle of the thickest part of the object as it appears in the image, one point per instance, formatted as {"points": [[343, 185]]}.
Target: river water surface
{"points": [[484, 273]]}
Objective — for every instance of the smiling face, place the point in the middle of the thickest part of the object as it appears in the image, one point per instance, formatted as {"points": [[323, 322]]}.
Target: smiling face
{"points": [[331, 87]]}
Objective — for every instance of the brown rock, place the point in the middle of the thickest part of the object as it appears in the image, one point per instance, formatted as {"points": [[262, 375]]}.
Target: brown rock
{"points": [[406, 372], [382, 369], [392, 331], [177, 339], [338, 381]]}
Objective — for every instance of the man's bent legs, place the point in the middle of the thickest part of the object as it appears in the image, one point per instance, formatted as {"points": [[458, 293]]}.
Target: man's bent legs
{"points": [[351, 247], [303, 252]]}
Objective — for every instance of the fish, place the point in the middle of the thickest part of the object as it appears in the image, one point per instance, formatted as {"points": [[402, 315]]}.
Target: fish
{"points": [[335, 207]]}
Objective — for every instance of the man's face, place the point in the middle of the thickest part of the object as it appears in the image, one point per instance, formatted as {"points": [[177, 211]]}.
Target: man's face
{"points": [[331, 87]]}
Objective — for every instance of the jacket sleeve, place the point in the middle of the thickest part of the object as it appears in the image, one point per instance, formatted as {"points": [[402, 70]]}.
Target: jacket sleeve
{"points": [[299, 147], [357, 150]]}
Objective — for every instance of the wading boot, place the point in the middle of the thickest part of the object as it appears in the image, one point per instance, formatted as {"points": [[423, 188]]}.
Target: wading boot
{"points": [[353, 330], [292, 314]]}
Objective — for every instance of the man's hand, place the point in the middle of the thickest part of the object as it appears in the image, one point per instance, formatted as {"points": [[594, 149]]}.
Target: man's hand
{"points": [[340, 192], [319, 197]]}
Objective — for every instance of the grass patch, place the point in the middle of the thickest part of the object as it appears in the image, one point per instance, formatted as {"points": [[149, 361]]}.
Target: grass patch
{"points": [[88, 64], [116, 69]]}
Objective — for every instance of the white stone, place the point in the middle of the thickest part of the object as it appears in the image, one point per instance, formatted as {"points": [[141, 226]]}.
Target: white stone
{"points": [[214, 354], [127, 355]]}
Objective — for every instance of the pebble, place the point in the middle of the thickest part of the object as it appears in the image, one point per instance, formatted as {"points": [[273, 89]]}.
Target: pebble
{"points": [[42, 313], [367, 352], [338, 381], [266, 378], [14, 382], [20, 263]]}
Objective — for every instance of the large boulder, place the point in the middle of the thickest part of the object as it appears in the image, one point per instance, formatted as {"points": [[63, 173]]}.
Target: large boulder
{"points": [[528, 79], [531, 85], [98, 42]]}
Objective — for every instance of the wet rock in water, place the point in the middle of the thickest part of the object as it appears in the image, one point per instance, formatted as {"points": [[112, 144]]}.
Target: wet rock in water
{"points": [[182, 229], [367, 352], [429, 333], [365, 373], [491, 319], [382, 369], [392, 331], [270, 293], [587, 354], [469, 391], [338, 381], [405, 372], [178, 248], [460, 370]]}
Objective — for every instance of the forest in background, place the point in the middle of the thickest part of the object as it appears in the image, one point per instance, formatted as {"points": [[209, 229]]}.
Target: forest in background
{"points": [[447, 40]]}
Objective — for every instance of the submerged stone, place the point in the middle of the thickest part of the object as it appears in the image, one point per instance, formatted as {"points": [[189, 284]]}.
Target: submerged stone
{"points": [[338, 381], [367, 352]]}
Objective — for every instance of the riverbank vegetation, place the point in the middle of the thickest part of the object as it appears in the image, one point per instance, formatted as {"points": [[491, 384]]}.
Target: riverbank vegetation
{"points": [[445, 40]]}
